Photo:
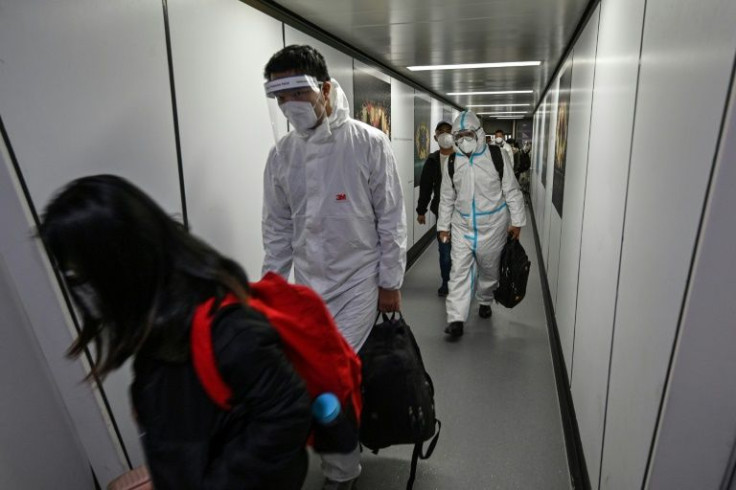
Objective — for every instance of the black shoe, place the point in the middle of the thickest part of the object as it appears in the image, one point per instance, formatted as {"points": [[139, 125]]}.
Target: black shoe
{"points": [[485, 311], [455, 329], [443, 291], [345, 485]]}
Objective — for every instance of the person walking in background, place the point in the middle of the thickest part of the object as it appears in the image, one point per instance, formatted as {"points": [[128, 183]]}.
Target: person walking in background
{"points": [[136, 277], [429, 189], [478, 209], [500, 141], [333, 208]]}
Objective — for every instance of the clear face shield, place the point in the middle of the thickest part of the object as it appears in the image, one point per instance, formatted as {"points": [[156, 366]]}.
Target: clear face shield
{"points": [[291, 104]]}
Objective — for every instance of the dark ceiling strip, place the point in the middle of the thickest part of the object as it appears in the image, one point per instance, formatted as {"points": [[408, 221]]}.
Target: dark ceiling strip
{"points": [[64, 293], [287, 16], [175, 111], [587, 14]]}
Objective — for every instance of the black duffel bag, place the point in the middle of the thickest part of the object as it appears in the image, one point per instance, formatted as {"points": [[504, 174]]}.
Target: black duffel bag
{"points": [[513, 274], [398, 394]]}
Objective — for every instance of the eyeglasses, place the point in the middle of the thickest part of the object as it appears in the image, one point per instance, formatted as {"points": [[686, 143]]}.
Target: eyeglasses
{"points": [[465, 133], [298, 95]]}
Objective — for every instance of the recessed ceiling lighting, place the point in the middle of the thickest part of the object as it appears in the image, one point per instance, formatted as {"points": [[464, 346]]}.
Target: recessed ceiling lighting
{"points": [[500, 113], [498, 105], [502, 92], [470, 66], [509, 117]]}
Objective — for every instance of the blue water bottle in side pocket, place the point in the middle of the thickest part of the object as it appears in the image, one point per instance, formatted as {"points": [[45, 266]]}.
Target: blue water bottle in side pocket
{"points": [[334, 430]]}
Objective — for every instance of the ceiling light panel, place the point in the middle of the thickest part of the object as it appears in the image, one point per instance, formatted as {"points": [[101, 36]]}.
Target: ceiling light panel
{"points": [[500, 113], [498, 105], [499, 92], [472, 66]]}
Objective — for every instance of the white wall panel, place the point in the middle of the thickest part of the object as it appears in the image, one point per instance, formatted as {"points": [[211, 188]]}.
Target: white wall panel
{"points": [[581, 98], [533, 174], [617, 60], [359, 65], [402, 141], [540, 191], [553, 257], [668, 181], [38, 296], [40, 447], [339, 64], [224, 120], [85, 90], [696, 434]]}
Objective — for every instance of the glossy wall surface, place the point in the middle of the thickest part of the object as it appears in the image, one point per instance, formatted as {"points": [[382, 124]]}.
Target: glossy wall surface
{"points": [[634, 200], [667, 190]]}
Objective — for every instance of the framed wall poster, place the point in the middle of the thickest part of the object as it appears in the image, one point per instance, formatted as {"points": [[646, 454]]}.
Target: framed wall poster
{"points": [[545, 136], [372, 100], [563, 119], [422, 134]]}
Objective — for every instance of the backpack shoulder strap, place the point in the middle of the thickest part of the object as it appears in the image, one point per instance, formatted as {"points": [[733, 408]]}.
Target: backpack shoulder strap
{"points": [[451, 169], [497, 158], [417, 455], [203, 353]]}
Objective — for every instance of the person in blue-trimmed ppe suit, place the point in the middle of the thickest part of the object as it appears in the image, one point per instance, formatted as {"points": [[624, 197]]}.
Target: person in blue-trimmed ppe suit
{"points": [[477, 212]]}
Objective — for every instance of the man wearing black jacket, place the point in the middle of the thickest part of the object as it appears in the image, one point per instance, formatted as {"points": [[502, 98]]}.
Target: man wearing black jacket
{"points": [[429, 189]]}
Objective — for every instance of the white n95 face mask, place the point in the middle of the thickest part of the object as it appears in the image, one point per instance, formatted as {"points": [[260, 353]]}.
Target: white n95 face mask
{"points": [[445, 140], [467, 144], [499, 141], [301, 115]]}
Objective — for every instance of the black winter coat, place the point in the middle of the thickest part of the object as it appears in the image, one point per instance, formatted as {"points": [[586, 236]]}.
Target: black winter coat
{"points": [[430, 184], [190, 443]]}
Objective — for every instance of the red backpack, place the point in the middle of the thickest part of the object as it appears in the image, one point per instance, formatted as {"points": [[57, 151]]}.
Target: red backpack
{"points": [[310, 338]]}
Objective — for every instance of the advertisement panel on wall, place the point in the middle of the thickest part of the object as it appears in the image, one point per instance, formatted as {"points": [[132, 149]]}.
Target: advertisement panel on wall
{"points": [[422, 134], [563, 119], [372, 100]]}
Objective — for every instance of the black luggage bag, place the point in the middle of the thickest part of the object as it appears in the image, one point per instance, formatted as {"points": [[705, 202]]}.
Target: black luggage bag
{"points": [[398, 394]]}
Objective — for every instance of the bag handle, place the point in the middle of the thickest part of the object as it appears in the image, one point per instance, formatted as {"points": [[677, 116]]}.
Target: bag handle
{"points": [[386, 317]]}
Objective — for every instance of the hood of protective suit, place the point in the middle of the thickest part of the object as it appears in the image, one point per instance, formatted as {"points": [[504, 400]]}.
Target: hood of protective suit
{"points": [[340, 114], [468, 120]]}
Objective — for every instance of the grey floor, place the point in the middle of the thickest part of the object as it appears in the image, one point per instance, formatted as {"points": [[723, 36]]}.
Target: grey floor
{"points": [[495, 395]]}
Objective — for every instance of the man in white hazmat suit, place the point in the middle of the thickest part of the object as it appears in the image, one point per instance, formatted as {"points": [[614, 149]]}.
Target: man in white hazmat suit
{"points": [[500, 141], [333, 206], [477, 212]]}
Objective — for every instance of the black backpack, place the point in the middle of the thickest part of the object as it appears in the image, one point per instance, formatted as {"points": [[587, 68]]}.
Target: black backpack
{"points": [[525, 162], [398, 394], [495, 156], [513, 274]]}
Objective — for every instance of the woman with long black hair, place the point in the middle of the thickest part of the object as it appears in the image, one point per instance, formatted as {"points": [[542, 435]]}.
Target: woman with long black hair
{"points": [[136, 277]]}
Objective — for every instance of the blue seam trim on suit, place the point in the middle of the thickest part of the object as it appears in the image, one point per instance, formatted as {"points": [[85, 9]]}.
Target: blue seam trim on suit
{"points": [[486, 213], [462, 120]]}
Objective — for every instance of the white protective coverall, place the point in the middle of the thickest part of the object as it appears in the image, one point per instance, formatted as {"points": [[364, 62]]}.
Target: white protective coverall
{"points": [[477, 212], [510, 150], [333, 206]]}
